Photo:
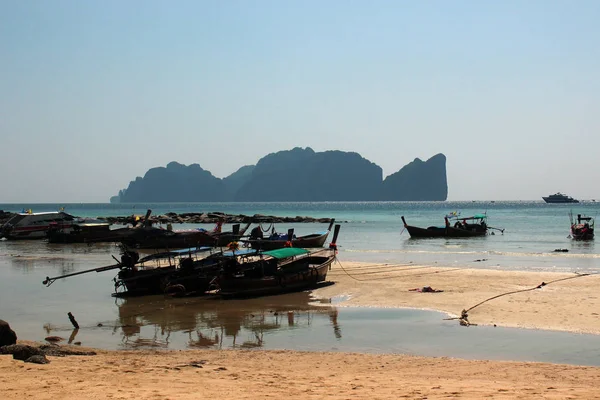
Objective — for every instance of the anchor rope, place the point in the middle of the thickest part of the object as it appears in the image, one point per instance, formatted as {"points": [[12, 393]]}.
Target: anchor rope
{"points": [[398, 276], [464, 315], [541, 285]]}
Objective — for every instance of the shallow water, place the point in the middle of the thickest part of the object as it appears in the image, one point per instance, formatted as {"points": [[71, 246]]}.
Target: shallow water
{"points": [[292, 321], [296, 322], [373, 231]]}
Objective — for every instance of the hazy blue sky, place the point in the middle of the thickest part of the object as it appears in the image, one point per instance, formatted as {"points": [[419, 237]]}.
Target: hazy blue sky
{"points": [[94, 93]]}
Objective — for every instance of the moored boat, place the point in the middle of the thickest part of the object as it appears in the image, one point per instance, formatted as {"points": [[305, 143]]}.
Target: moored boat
{"points": [[559, 198], [148, 237], [582, 227], [187, 271], [86, 231], [276, 271], [280, 240], [30, 225], [475, 225]]}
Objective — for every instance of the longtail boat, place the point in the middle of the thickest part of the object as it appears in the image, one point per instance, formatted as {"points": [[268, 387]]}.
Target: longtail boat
{"points": [[275, 240], [472, 226], [277, 271], [582, 227]]}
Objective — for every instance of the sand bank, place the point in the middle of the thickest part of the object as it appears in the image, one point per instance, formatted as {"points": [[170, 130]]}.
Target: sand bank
{"points": [[567, 302], [562, 304]]}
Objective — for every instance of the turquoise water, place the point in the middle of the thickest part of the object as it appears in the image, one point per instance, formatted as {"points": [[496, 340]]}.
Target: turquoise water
{"points": [[373, 231]]}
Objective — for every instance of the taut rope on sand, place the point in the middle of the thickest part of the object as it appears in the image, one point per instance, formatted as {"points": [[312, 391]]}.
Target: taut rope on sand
{"points": [[464, 315], [387, 270]]}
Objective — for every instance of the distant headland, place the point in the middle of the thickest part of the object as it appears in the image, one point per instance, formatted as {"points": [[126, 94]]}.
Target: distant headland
{"points": [[293, 175]]}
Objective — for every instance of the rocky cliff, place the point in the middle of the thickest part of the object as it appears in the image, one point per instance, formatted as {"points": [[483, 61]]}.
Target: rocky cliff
{"points": [[418, 181], [175, 183], [304, 175], [293, 175]]}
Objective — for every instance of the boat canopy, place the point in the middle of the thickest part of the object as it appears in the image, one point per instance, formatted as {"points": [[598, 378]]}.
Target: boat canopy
{"points": [[175, 253], [286, 252], [475, 216], [239, 252]]}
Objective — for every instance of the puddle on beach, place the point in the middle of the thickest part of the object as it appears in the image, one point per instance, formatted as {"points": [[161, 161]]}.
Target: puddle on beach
{"points": [[294, 321], [298, 322]]}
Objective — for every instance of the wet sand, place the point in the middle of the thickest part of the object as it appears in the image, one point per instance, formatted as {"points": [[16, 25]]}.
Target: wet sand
{"points": [[566, 303]]}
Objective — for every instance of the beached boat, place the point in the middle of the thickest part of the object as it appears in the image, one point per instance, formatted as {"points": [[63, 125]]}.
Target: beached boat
{"points": [[151, 238], [30, 225], [187, 271], [582, 227], [86, 231], [276, 271], [275, 240], [559, 198], [472, 226]]}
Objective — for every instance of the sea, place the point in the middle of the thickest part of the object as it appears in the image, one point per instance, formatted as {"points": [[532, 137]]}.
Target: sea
{"points": [[528, 236]]}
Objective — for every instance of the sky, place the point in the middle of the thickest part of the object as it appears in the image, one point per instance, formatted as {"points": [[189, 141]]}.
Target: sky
{"points": [[95, 93]]}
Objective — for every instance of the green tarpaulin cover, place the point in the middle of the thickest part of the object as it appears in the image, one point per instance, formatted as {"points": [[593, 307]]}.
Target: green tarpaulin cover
{"points": [[286, 252]]}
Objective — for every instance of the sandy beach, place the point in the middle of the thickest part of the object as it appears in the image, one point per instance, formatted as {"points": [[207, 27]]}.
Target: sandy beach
{"points": [[566, 302]]}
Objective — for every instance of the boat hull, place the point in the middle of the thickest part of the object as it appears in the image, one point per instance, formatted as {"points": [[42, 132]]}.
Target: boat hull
{"points": [[163, 239], [99, 236], [31, 233], [304, 242], [559, 201], [301, 274], [457, 231], [435, 232], [582, 233], [173, 280]]}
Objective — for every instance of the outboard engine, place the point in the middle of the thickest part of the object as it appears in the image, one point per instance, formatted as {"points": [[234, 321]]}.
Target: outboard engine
{"points": [[129, 259]]}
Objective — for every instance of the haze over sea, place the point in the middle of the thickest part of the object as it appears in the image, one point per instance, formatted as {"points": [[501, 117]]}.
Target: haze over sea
{"points": [[373, 231]]}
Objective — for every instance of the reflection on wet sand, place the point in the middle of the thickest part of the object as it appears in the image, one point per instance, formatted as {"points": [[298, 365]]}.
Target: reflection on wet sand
{"points": [[211, 323], [26, 255]]}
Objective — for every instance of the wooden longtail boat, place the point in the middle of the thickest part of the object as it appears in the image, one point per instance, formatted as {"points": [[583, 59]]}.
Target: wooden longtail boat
{"points": [[148, 237], [183, 273], [277, 271], [184, 270], [278, 241], [91, 231], [475, 225], [582, 227]]}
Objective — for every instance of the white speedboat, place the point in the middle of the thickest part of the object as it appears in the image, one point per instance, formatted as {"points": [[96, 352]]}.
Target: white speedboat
{"points": [[30, 225]]}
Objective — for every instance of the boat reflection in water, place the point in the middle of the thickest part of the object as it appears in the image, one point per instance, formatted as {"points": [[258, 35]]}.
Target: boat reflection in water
{"points": [[157, 321]]}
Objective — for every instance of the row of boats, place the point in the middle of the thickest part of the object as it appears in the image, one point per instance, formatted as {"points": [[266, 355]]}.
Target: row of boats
{"points": [[227, 273], [61, 227], [197, 261], [228, 264], [455, 226]]}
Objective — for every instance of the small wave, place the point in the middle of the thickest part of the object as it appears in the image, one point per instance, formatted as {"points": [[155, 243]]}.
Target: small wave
{"points": [[398, 251], [547, 254]]}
